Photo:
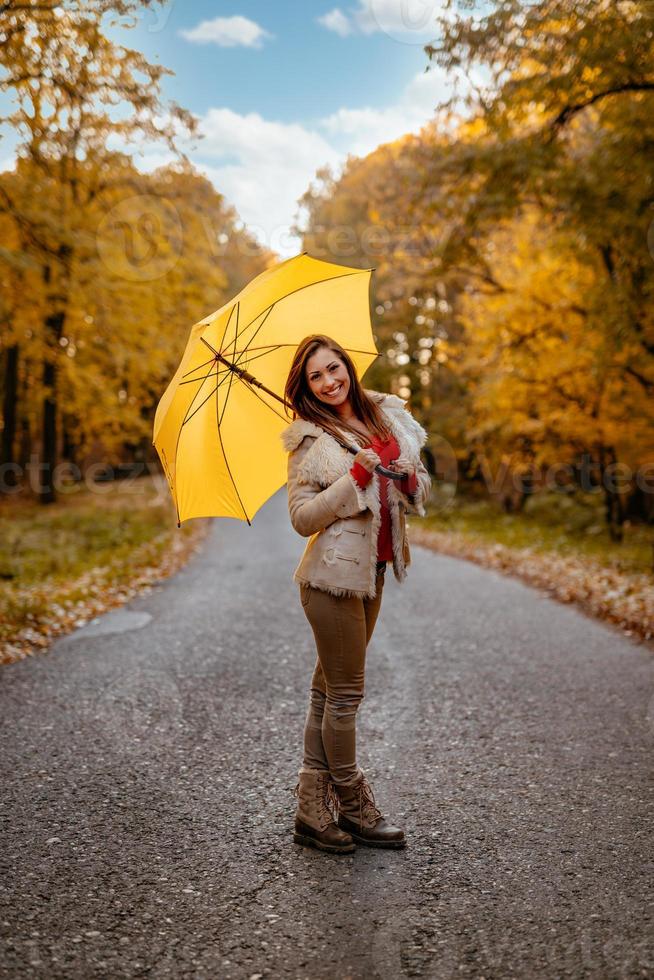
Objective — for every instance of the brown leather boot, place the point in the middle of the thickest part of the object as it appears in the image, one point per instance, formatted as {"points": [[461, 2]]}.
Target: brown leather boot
{"points": [[359, 815], [314, 820]]}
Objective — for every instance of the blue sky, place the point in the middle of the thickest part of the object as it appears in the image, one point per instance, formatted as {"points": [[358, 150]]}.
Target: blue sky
{"points": [[302, 70], [283, 88]]}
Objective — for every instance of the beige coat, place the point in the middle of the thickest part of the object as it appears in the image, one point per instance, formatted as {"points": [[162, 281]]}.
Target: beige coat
{"points": [[340, 519]]}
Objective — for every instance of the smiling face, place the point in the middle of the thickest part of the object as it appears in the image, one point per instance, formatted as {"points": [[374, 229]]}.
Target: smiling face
{"points": [[327, 377]]}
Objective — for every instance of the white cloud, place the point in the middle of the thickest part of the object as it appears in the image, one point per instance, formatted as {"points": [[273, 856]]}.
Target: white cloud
{"points": [[228, 32], [149, 158], [262, 167], [409, 21], [336, 21], [365, 128]]}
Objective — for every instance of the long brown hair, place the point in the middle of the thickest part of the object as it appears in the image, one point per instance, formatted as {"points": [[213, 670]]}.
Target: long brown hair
{"points": [[305, 405]]}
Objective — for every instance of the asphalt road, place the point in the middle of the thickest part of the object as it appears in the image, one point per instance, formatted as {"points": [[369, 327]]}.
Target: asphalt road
{"points": [[148, 763]]}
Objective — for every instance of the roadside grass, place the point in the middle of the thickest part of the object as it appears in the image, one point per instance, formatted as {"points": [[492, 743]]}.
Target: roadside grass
{"points": [[558, 543], [550, 523], [63, 563]]}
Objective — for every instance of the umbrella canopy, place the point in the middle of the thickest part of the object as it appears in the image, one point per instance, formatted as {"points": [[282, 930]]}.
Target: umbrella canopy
{"points": [[218, 423]]}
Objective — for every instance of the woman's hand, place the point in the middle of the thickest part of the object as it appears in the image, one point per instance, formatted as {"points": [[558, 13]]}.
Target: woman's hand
{"points": [[402, 465], [367, 458]]}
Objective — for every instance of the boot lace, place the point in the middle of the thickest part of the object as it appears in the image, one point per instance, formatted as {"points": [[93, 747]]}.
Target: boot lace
{"points": [[326, 798], [364, 796], [331, 799], [368, 809]]}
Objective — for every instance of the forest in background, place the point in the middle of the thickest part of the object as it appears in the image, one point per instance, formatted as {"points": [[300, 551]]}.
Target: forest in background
{"points": [[512, 238], [103, 269]]}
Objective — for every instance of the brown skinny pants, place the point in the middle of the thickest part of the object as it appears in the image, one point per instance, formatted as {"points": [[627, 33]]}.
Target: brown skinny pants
{"points": [[342, 627]]}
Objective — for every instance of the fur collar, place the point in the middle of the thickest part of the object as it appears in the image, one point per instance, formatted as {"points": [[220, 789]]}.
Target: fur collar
{"points": [[326, 461]]}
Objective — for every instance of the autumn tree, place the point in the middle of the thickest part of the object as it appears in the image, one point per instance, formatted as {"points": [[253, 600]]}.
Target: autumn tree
{"points": [[563, 122], [154, 253], [66, 78]]}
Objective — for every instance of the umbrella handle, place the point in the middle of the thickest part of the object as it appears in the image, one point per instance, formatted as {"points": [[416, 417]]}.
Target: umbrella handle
{"points": [[378, 469]]}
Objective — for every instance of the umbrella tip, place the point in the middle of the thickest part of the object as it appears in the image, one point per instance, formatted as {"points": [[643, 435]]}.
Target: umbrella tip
{"points": [[178, 524]]}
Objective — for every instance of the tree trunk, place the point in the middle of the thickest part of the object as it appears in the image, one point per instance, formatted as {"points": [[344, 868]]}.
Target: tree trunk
{"points": [[57, 284], [69, 446], [54, 330], [9, 414], [614, 508]]}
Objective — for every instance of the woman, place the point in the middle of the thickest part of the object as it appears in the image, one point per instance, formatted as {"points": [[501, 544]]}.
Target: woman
{"points": [[354, 519]]}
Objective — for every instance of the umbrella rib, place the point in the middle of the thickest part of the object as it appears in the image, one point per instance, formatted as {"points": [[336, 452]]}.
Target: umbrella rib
{"points": [[264, 350], [228, 466], [189, 417], [193, 381], [186, 416], [247, 346], [197, 368], [255, 392], [169, 477], [216, 375], [270, 347], [308, 285], [219, 415], [231, 373], [179, 435], [266, 313], [236, 308], [204, 402]]}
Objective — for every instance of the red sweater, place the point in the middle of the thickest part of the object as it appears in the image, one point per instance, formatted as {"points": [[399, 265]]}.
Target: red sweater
{"points": [[387, 452]]}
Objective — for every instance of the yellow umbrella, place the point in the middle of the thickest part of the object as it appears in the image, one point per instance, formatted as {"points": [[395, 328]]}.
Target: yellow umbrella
{"points": [[218, 423]]}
